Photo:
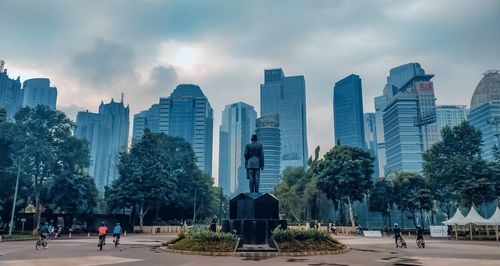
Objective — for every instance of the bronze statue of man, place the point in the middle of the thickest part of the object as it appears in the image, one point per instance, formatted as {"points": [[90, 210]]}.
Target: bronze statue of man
{"points": [[254, 163]]}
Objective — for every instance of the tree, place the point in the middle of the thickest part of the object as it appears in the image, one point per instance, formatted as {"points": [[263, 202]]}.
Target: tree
{"points": [[455, 170], [43, 133], [344, 175], [413, 195], [380, 198], [289, 192]]}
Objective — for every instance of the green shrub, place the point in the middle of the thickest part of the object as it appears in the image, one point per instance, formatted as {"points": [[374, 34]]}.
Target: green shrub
{"points": [[297, 240], [202, 239]]}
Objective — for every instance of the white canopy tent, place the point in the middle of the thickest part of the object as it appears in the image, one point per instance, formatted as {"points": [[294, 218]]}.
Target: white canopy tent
{"points": [[473, 218], [494, 220], [453, 221]]}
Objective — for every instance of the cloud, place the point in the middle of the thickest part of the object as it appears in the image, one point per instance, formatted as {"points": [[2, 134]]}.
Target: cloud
{"points": [[71, 110], [162, 78]]}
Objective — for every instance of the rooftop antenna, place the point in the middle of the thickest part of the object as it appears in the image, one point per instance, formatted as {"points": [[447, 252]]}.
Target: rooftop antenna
{"points": [[122, 97], [2, 66]]}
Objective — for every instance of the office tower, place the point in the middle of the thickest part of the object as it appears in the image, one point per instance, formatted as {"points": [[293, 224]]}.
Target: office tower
{"points": [[38, 92], [268, 134], [380, 102], [11, 96], [409, 117], [187, 113], [107, 134], [96, 129], [286, 96], [485, 112], [370, 138], [149, 119], [236, 129], [450, 115], [348, 112]]}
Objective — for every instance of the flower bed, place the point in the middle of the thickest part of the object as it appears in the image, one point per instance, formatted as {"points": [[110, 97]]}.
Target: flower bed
{"points": [[200, 239], [299, 240]]}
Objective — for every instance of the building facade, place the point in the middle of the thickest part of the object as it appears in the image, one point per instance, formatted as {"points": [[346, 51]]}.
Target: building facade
{"points": [[409, 118], [286, 96], [149, 119], [450, 115], [370, 130], [380, 102], [11, 96], [348, 112], [485, 112], [39, 92], [268, 134], [236, 129], [186, 113]]}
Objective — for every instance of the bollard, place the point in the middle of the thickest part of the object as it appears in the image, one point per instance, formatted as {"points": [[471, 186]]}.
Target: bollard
{"points": [[125, 233], [69, 236], [88, 234]]}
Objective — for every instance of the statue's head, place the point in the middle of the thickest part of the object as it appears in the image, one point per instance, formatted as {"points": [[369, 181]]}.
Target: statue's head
{"points": [[254, 137]]}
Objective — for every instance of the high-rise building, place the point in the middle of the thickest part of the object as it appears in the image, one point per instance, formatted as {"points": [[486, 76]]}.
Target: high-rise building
{"points": [[268, 134], [11, 96], [107, 134], [409, 117], [286, 96], [187, 113], [370, 130], [450, 115], [96, 129], [348, 112], [149, 119], [39, 92], [380, 102], [485, 112], [236, 129]]}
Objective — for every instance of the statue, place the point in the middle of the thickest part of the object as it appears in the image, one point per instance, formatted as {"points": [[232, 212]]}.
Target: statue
{"points": [[254, 163]]}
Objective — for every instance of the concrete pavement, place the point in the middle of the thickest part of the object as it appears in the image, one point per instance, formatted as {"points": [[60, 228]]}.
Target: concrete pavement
{"points": [[141, 250]]}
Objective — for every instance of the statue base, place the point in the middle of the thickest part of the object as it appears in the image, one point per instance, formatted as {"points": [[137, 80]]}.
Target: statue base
{"points": [[253, 216]]}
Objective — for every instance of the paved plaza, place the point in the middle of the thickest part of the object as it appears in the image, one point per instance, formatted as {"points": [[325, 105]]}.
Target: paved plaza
{"points": [[143, 250]]}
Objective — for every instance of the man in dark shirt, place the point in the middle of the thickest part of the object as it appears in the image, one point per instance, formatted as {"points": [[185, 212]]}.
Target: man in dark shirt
{"points": [[397, 232], [420, 233], [254, 163]]}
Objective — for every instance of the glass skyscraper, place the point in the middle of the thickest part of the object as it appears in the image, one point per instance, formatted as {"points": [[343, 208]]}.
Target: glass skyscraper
{"points": [[485, 111], [39, 92], [348, 112], [188, 114], [370, 129], [286, 96], [409, 117], [380, 102], [11, 96], [268, 134], [149, 119], [107, 134], [450, 115], [237, 126]]}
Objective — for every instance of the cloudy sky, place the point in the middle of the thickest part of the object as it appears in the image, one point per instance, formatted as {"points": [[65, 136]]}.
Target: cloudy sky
{"points": [[94, 50]]}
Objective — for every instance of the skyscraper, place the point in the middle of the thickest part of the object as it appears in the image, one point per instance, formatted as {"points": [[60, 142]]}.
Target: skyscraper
{"points": [[268, 134], [187, 113], [107, 134], [286, 96], [149, 119], [120, 124], [238, 124], [96, 129], [370, 129], [380, 102], [39, 92], [450, 115], [348, 112], [485, 112], [409, 117], [11, 96]]}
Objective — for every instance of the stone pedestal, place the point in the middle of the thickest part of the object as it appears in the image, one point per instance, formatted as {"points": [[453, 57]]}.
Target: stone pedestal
{"points": [[253, 216]]}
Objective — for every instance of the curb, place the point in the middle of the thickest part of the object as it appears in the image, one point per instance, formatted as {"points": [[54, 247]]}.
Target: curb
{"points": [[260, 255]]}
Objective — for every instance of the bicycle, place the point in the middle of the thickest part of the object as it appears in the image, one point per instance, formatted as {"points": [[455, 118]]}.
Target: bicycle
{"points": [[420, 243], [400, 243], [41, 242], [101, 242], [116, 240]]}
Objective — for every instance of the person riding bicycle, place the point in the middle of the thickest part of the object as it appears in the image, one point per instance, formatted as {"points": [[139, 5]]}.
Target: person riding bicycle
{"points": [[103, 230], [117, 231], [44, 231], [397, 233], [420, 233]]}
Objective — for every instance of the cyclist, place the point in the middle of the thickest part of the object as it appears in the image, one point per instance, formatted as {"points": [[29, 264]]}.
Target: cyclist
{"points": [[44, 230], [420, 233], [103, 230], [117, 232], [397, 233]]}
